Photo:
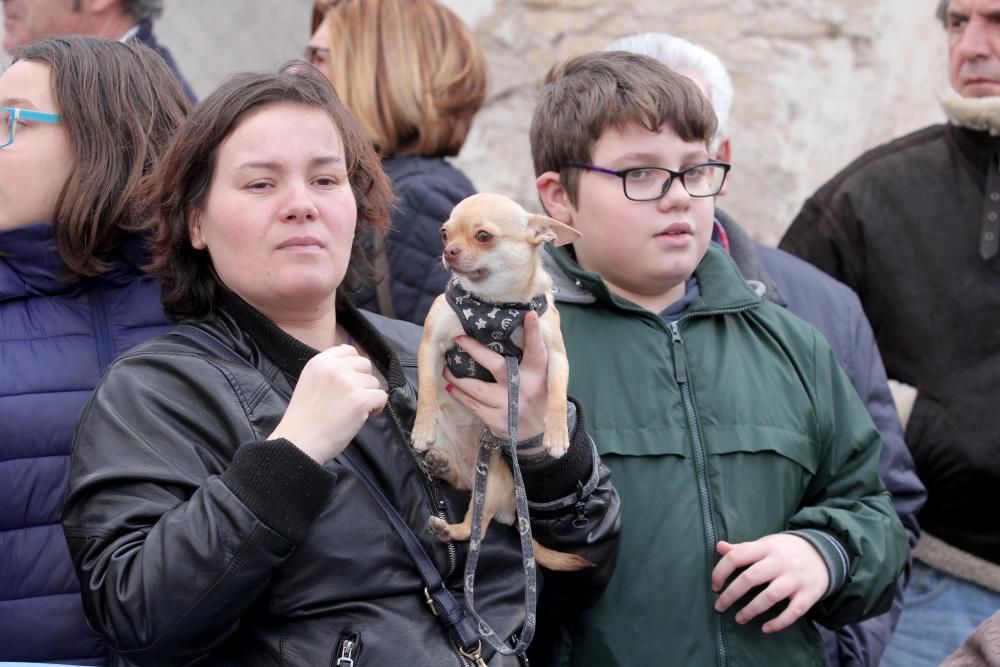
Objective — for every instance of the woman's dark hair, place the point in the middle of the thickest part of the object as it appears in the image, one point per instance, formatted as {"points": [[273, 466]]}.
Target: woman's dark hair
{"points": [[120, 104], [181, 183]]}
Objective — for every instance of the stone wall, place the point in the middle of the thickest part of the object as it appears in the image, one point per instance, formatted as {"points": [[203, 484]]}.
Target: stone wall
{"points": [[816, 81]]}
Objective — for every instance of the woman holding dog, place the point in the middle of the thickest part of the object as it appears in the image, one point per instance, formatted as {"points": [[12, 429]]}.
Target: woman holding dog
{"points": [[412, 74], [232, 482]]}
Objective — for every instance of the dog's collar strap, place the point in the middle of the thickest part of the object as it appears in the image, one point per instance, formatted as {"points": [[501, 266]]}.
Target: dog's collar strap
{"points": [[492, 324]]}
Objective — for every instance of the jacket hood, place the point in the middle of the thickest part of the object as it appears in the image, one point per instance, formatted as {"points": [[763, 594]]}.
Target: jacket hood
{"points": [[722, 286]]}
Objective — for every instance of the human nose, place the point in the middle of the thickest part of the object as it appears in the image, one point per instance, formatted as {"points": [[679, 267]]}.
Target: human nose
{"points": [[973, 41], [299, 207]]}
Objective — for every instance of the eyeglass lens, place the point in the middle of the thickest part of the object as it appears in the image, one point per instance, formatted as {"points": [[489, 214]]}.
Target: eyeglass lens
{"points": [[701, 181], [6, 127]]}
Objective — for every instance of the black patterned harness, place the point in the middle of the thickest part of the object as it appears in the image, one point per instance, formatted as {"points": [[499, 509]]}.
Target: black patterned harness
{"points": [[492, 324]]}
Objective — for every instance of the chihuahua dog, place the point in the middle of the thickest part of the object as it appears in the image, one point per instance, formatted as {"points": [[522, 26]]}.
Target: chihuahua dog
{"points": [[492, 248]]}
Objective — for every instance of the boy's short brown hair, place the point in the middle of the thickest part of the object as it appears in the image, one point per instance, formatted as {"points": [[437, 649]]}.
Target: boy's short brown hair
{"points": [[586, 95]]}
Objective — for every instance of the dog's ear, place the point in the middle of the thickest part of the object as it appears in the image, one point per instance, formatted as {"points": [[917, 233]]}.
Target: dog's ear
{"points": [[542, 229]]}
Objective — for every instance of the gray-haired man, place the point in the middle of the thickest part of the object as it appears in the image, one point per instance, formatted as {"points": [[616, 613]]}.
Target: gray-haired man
{"points": [[914, 227], [27, 21]]}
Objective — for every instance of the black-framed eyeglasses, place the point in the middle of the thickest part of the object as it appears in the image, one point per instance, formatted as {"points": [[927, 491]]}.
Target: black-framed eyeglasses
{"points": [[651, 183], [317, 56]]}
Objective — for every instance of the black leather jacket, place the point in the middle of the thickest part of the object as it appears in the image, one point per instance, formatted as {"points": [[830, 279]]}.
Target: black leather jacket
{"points": [[197, 541]]}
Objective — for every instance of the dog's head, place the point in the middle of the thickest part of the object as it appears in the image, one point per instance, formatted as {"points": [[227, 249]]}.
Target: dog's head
{"points": [[492, 246]]}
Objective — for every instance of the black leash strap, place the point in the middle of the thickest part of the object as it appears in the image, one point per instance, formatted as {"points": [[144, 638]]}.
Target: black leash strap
{"points": [[523, 528], [442, 603]]}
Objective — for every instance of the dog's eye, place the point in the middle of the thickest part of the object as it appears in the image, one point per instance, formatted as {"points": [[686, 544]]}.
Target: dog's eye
{"points": [[484, 237], [444, 235]]}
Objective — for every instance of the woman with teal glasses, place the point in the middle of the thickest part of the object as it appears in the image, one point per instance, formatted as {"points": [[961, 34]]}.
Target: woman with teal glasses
{"points": [[81, 122]]}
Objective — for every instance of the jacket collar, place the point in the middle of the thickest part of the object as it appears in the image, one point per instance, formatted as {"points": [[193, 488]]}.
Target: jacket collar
{"points": [[743, 250], [30, 264], [722, 286], [976, 147], [291, 354]]}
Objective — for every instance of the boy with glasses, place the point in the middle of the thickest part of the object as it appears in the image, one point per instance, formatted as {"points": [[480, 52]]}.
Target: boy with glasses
{"points": [[746, 464]]}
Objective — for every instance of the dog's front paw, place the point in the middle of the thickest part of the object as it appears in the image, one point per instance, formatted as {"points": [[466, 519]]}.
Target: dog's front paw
{"points": [[555, 440], [424, 432]]}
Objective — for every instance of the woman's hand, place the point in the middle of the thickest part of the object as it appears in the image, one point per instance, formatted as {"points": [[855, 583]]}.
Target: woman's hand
{"points": [[335, 395], [488, 400]]}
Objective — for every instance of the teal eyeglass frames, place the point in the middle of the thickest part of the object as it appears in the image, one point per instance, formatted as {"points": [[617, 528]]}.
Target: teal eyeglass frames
{"points": [[11, 116]]}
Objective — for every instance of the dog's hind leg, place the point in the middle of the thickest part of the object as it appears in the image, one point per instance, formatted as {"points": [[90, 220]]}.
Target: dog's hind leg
{"points": [[498, 502]]}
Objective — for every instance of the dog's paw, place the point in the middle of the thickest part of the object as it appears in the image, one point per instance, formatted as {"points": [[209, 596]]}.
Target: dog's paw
{"points": [[423, 434], [437, 464], [556, 440], [439, 527]]}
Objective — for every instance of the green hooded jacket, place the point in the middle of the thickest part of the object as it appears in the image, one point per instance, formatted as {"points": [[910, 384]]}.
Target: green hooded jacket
{"points": [[731, 424]]}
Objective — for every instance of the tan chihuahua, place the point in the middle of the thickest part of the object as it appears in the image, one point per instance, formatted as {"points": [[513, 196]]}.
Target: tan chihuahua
{"points": [[492, 248]]}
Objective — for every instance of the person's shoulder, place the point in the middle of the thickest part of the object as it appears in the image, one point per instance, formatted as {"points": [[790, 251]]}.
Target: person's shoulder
{"points": [[419, 172], [795, 275], [902, 152]]}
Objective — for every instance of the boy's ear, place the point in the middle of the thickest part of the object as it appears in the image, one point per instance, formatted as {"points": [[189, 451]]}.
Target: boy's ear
{"points": [[543, 229], [725, 154], [554, 198]]}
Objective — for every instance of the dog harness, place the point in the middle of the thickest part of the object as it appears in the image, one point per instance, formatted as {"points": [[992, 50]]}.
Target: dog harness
{"points": [[492, 324]]}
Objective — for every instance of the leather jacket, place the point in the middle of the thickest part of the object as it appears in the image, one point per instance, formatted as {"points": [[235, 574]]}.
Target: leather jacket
{"points": [[197, 540]]}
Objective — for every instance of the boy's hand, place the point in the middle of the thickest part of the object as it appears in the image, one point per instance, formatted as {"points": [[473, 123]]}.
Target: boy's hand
{"points": [[488, 400], [791, 568]]}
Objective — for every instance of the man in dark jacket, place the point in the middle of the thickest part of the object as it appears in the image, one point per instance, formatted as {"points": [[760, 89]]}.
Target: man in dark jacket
{"points": [[27, 21], [913, 227], [830, 307]]}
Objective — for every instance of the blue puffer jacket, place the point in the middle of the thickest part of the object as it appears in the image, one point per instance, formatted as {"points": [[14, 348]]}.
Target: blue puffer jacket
{"points": [[428, 188], [56, 338]]}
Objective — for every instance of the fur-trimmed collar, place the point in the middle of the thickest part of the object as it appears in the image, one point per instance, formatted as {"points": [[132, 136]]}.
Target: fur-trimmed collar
{"points": [[974, 113]]}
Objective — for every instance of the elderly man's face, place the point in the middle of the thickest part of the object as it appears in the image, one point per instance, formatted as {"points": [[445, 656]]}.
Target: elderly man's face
{"points": [[26, 21], [974, 47]]}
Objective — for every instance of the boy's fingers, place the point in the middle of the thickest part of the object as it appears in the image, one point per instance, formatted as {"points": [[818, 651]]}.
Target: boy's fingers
{"points": [[796, 609], [734, 557], [755, 575], [779, 590]]}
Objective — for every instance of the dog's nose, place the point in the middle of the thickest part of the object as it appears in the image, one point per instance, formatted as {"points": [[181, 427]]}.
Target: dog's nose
{"points": [[452, 251]]}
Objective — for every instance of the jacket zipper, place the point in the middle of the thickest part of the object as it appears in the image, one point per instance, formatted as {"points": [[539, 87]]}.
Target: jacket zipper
{"points": [[437, 505], [701, 472], [347, 651], [101, 332]]}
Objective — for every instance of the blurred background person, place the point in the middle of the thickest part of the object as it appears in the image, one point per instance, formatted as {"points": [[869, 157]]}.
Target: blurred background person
{"points": [[412, 74], [82, 121], [26, 21], [913, 226], [829, 306]]}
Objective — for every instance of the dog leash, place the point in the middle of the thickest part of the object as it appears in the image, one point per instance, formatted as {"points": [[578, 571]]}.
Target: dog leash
{"points": [[440, 600], [486, 447]]}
